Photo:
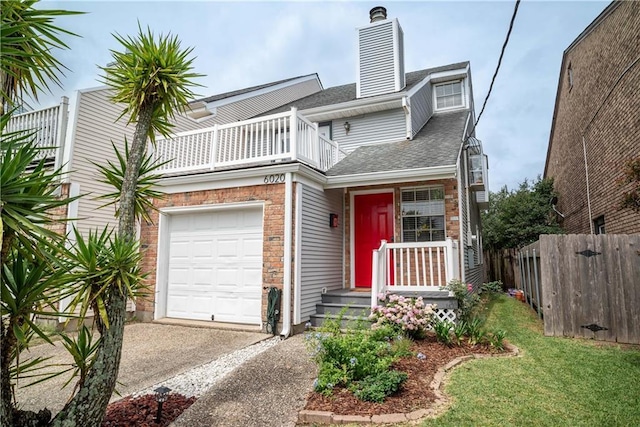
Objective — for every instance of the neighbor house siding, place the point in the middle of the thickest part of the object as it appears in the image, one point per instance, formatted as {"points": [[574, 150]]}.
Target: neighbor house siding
{"points": [[256, 105], [374, 128], [601, 105], [421, 108], [96, 128], [321, 252]]}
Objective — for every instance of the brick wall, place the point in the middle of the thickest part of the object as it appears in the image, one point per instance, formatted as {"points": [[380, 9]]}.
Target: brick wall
{"points": [[452, 225], [59, 214], [613, 137], [273, 237]]}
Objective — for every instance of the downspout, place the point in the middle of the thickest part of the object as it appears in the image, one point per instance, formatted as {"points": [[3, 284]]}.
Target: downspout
{"points": [[586, 175], [288, 239]]}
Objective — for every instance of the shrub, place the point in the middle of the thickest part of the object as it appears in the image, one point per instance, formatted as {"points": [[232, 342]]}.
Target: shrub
{"points": [[460, 331], [411, 315], [492, 287], [467, 299], [376, 387], [475, 331], [350, 356], [496, 339], [442, 329]]}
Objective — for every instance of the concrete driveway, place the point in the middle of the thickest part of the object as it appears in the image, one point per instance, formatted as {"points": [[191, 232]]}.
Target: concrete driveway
{"points": [[151, 354]]}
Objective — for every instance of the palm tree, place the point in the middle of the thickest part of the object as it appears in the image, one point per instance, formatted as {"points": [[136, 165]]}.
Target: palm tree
{"points": [[28, 195], [152, 79], [28, 40]]}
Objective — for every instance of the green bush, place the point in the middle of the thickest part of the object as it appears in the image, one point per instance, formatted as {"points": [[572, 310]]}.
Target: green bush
{"points": [[496, 339], [460, 331], [376, 387], [492, 287], [467, 299], [443, 328]]}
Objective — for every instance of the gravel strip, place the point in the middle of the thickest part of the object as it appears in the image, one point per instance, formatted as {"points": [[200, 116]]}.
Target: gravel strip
{"points": [[198, 380]]}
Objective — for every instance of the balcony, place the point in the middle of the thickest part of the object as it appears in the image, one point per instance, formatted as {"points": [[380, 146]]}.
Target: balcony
{"points": [[261, 141], [49, 125]]}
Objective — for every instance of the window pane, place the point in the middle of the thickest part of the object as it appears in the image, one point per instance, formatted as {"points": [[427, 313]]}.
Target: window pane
{"points": [[409, 223], [439, 90], [408, 236], [437, 194], [437, 235], [408, 196]]}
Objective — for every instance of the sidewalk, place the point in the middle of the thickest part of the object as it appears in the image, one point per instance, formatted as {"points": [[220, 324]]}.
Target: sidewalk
{"points": [[267, 390]]}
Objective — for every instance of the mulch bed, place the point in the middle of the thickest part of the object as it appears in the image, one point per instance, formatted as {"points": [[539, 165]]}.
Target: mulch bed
{"points": [[141, 411], [415, 393]]}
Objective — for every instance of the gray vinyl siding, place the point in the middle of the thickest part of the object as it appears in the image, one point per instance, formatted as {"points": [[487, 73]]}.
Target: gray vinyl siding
{"points": [[421, 108], [258, 104], [377, 68], [473, 268], [374, 128], [321, 252], [401, 57], [95, 128]]}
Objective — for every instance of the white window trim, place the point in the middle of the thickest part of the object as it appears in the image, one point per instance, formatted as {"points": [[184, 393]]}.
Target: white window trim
{"points": [[465, 96], [426, 187]]}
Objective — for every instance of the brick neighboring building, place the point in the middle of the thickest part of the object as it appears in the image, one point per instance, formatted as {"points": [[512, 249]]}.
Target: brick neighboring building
{"points": [[597, 112]]}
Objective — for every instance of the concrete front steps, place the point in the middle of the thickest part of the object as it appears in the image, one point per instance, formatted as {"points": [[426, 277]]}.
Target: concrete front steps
{"points": [[357, 305]]}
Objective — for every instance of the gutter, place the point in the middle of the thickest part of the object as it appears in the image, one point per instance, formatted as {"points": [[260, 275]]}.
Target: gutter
{"points": [[286, 283]]}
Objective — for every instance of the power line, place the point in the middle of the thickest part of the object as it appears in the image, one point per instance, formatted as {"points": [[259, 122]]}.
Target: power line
{"points": [[495, 74]]}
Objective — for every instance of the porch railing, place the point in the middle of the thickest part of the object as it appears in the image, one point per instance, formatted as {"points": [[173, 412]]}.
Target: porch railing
{"points": [[49, 126], [419, 266], [284, 136]]}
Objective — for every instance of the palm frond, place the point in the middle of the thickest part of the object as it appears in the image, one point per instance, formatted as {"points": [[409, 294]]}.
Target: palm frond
{"points": [[154, 72], [113, 174]]}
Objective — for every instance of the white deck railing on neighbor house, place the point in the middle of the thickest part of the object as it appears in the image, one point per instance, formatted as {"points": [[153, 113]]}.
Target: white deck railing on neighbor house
{"points": [[419, 266], [49, 125], [284, 136]]}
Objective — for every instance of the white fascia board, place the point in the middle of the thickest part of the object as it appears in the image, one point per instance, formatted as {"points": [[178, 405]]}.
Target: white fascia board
{"points": [[450, 74], [391, 177], [262, 91], [234, 178]]}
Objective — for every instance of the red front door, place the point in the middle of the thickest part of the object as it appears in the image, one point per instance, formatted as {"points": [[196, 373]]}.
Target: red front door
{"points": [[373, 222]]}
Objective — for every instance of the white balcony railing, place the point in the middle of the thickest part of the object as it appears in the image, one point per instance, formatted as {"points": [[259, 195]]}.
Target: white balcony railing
{"points": [[49, 125], [284, 136], [419, 266]]}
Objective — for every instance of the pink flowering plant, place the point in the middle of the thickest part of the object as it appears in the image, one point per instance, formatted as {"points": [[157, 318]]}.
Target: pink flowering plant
{"points": [[409, 315]]}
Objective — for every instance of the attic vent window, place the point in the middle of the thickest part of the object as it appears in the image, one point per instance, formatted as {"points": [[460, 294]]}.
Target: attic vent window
{"points": [[449, 95], [570, 76]]}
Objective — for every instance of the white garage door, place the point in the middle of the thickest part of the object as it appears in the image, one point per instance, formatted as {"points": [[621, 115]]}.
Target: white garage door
{"points": [[215, 266]]}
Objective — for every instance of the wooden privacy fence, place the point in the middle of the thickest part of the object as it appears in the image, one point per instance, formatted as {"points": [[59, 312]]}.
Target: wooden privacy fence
{"points": [[502, 264], [588, 285]]}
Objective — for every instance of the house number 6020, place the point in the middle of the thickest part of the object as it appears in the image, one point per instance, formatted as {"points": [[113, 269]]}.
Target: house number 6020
{"points": [[274, 179]]}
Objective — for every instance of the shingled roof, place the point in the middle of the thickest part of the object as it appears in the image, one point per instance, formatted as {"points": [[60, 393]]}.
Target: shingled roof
{"points": [[437, 144], [220, 96], [346, 93]]}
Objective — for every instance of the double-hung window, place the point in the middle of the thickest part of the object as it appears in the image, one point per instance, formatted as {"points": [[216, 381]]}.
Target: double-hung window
{"points": [[423, 214], [449, 95]]}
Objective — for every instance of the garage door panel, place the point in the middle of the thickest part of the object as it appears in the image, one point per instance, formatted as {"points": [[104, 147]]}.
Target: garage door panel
{"points": [[252, 248], [228, 248], [252, 278], [215, 266]]}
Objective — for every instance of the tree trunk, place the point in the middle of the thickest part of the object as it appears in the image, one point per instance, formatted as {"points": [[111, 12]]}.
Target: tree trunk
{"points": [[88, 406], [6, 349]]}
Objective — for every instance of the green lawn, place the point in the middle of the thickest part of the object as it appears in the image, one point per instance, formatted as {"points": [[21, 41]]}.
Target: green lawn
{"points": [[556, 382]]}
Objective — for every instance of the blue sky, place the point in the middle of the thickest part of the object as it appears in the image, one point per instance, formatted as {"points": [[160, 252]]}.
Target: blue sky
{"points": [[241, 44]]}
